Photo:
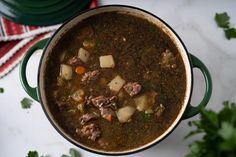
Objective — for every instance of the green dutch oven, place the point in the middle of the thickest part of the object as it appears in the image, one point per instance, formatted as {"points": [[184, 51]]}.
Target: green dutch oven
{"points": [[190, 62]]}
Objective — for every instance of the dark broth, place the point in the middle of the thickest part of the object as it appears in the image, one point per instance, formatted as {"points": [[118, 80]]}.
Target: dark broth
{"points": [[142, 53]]}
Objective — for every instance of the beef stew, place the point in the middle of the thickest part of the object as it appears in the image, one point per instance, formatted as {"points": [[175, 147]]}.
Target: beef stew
{"points": [[115, 82]]}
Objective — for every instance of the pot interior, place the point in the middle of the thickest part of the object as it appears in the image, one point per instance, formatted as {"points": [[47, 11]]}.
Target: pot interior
{"points": [[124, 10]]}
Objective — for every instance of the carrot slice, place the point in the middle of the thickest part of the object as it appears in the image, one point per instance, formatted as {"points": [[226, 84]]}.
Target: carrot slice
{"points": [[109, 117], [80, 70]]}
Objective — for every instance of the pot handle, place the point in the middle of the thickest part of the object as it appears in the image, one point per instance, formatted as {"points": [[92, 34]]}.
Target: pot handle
{"points": [[192, 110], [32, 92]]}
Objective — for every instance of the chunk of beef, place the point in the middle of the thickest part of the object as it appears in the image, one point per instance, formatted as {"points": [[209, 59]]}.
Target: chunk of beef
{"points": [[102, 101], [90, 76], [106, 105], [168, 59], [105, 112], [87, 117], [91, 131], [74, 61], [132, 88]]}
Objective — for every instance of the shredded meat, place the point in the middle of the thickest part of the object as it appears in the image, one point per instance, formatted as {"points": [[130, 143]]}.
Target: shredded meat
{"points": [[132, 88], [106, 105], [102, 101], [74, 61], [107, 111], [87, 117], [90, 76], [91, 131]]}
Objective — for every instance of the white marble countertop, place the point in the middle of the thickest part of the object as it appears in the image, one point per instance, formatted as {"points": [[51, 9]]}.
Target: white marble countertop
{"points": [[24, 130]]}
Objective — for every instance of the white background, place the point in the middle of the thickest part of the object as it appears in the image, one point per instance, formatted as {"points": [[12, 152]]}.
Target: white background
{"points": [[24, 130]]}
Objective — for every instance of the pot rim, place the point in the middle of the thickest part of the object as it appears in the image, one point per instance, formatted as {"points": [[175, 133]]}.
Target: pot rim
{"points": [[126, 152]]}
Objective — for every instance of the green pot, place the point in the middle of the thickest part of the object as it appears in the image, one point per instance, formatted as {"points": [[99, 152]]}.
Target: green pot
{"points": [[190, 62]]}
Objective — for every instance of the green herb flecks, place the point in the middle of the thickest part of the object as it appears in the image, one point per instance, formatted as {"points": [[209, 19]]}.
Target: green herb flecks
{"points": [[26, 103], [144, 116], [219, 133]]}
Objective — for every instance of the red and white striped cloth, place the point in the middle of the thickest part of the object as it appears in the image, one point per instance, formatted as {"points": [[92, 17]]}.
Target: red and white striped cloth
{"points": [[16, 39]]}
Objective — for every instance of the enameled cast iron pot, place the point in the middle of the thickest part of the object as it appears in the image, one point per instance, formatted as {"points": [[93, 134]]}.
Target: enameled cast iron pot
{"points": [[190, 62]]}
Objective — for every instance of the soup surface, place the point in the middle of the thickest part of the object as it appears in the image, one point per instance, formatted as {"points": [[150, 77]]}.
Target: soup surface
{"points": [[115, 82]]}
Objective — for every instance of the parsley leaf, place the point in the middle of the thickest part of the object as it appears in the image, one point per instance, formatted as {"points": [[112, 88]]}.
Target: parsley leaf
{"points": [[230, 33], [33, 154], [219, 133], [26, 103], [1, 90], [222, 19], [73, 152]]}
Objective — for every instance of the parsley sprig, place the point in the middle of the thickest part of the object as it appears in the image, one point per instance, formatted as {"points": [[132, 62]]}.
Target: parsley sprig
{"points": [[219, 133], [73, 153], [222, 20]]}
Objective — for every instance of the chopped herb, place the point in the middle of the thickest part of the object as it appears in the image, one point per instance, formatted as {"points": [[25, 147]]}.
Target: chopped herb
{"points": [[222, 19], [26, 103], [145, 116], [219, 133], [1, 90], [64, 155], [32, 154], [230, 33]]}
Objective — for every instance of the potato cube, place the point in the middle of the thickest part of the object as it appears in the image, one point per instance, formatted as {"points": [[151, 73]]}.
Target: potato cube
{"points": [[83, 55], [66, 72], [116, 84], [141, 102], [125, 113], [107, 61]]}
